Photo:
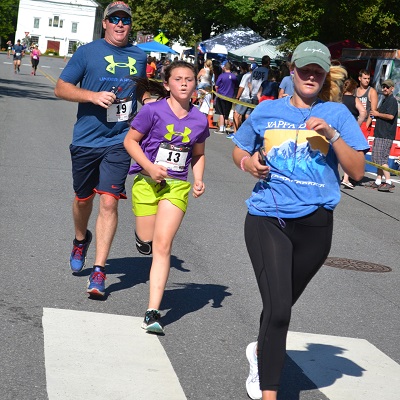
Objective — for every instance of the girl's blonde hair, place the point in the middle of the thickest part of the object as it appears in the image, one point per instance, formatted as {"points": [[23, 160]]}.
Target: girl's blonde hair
{"points": [[332, 87], [209, 64]]}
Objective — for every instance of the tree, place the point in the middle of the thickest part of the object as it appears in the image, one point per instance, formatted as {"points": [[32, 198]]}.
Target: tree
{"points": [[371, 22], [189, 21], [8, 18]]}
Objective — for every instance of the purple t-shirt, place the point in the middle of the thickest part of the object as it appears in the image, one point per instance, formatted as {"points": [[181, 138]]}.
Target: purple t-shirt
{"points": [[167, 139], [226, 83]]}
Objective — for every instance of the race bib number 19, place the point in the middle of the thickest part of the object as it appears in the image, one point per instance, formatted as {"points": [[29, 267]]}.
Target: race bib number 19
{"points": [[119, 111], [172, 157]]}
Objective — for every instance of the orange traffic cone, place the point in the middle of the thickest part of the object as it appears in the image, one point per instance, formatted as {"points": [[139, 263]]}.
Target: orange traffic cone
{"points": [[210, 116]]}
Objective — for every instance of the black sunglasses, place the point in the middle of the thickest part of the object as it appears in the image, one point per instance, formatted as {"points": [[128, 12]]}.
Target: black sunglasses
{"points": [[115, 20], [385, 87]]}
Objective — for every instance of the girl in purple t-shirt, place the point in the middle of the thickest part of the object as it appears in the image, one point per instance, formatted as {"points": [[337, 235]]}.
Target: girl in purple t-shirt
{"points": [[165, 138]]}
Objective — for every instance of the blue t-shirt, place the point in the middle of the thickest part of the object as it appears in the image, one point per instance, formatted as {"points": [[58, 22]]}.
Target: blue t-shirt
{"points": [[18, 51], [176, 136], [99, 66], [304, 167], [287, 85]]}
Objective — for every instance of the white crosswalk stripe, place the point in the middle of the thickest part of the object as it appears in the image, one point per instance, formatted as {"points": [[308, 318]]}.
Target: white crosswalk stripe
{"points": [[345, 368], [92, 355], [102, 356]]}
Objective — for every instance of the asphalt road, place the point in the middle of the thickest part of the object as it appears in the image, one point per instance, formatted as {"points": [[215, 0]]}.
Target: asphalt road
{"points": [[211, 304]]}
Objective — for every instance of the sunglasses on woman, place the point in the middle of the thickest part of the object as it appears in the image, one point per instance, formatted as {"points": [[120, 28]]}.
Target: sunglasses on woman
{"points": [[115, 20]]}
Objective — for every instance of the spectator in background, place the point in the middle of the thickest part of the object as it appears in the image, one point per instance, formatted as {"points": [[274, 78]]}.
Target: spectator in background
{"points": [[269, 88], [259, 75], [357, 110], [225, 85], [286, 87], [205, 76], [368, 97], [150, 70], [243, 95], [166, 62], [384, 134]]}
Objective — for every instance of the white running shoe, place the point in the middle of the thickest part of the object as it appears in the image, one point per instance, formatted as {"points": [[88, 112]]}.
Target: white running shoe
{"points": [[253, 381]]}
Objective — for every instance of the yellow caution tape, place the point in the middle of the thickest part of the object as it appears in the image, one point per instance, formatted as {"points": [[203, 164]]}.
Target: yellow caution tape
{"points": [[234, 101], [392, 171]]}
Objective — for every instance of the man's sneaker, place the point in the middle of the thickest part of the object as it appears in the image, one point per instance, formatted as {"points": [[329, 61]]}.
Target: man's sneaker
{"points": [[96, 282], [371, 185], [386, 187], [253, 381], [77, 260], [151, 322], [230, 136]]}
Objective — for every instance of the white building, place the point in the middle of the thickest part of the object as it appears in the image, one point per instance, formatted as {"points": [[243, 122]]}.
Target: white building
{"points": [[59, 24]]}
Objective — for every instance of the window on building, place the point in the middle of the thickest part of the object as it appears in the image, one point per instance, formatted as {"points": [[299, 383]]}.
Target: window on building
{"points": [[36, 22], [34, 39], [61, 23], [74, 27], [72, 46], [56, 20], [50, 22]]}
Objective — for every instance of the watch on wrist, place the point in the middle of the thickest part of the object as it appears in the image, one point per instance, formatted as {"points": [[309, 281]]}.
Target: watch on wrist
{"points": [[335, 137]]}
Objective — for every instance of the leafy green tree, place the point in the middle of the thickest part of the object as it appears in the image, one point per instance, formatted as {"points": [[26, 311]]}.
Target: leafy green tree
{"points": [[374, 23], [186, 20], [8, 19]]}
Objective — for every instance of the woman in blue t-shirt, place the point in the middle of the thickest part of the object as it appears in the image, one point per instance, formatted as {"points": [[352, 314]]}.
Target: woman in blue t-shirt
{"points": [[293, 146]]}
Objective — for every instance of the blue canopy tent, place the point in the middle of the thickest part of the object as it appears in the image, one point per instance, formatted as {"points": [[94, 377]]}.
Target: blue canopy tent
{"points": [[156, 47]]}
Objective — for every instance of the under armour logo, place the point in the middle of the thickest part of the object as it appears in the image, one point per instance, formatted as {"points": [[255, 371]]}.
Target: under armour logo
{"points": [[112, 65], [171, 132]]}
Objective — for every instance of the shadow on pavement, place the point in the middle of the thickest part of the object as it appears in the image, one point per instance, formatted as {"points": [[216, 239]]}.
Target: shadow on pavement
{"points": [[181, 299], [28, 90], [325, 359]]}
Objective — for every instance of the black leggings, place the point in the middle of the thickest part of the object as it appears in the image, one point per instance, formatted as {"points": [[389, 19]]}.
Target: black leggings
{"points": [[284, 261]]}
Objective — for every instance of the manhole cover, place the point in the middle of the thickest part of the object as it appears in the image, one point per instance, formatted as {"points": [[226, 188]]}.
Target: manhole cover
{"points": [[355, 265]]}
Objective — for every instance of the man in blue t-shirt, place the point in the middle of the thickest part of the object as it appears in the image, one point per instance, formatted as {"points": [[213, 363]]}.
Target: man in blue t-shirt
{"points": [[18, 52], [98, 78]]}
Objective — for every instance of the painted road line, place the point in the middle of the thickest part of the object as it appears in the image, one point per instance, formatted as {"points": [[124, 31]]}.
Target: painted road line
{"points": [[95, 356], [46, 75], [345, 368]]}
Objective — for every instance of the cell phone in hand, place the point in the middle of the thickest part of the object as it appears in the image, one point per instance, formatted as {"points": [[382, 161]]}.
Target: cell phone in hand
{"points": [[262, 155]]}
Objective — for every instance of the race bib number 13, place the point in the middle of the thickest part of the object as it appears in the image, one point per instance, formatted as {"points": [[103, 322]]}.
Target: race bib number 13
{"points": [[172, 157]]}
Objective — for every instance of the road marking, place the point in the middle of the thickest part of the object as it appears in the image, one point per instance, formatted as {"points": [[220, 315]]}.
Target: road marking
{"points": [[345, 368], [46, 75], [95, 356]]}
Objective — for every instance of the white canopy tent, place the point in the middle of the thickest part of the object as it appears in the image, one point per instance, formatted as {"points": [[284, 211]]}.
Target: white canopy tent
{"points": [[255, 51]]}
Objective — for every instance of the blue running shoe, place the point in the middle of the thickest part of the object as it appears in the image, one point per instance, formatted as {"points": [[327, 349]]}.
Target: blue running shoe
{"points": [[151, 322], [77, 260], [96, 282]]}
